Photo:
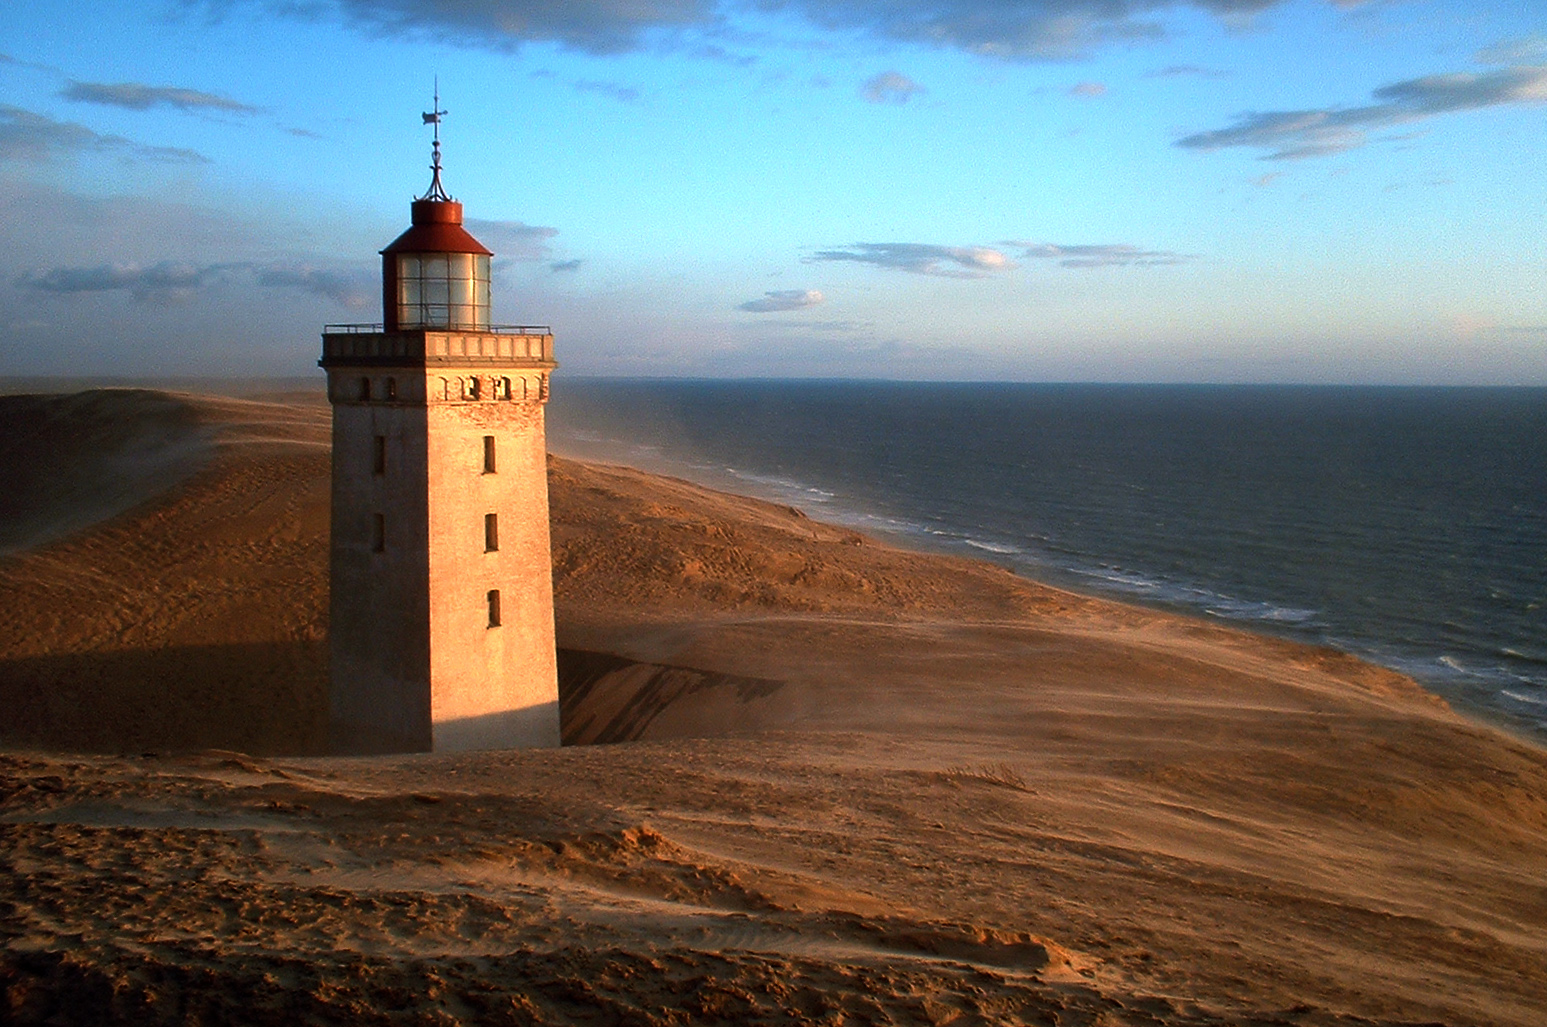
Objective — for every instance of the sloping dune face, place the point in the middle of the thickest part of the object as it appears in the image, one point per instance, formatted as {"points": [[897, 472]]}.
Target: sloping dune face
{"points": [[193, 614], [851, 784], [71, 461]]}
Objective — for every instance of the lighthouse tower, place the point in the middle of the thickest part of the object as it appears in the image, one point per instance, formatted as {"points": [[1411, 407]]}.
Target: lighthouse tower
{"points": [[441, 616]]}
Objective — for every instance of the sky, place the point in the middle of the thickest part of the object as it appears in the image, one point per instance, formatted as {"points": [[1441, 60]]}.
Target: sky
{"points": [[1323, 191]]}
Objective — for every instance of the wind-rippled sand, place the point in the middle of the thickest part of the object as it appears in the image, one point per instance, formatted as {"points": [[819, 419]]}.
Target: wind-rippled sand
{"points": [[849, 784]]}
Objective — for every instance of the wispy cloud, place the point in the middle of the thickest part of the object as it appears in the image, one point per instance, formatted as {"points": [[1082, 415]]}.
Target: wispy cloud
{"points": [[1099, 255], [922, 258], [621, 93], [1291, 135], [562, 266], [140, 97], [1530, 49], [32, 137], [513, 240], [785, 299], [1088, 90], [1186, 71], [348, 288], [890, 87]]}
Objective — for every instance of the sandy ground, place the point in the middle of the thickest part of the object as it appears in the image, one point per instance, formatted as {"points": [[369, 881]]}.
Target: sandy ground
{"points": [[850, 784]]}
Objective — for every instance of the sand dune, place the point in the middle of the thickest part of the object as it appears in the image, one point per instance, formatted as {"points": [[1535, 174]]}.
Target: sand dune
{"points": [[858, 785]]}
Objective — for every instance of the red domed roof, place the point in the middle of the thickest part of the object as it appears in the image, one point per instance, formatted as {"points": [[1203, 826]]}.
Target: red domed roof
{"points": [[437, 228]]}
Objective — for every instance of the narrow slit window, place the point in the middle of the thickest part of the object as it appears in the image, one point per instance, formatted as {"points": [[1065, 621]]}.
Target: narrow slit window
{"points": [[378, 533], [379, 455], [494, 607], [488, 454], [365, 389], [391, 388], [491, 533]]}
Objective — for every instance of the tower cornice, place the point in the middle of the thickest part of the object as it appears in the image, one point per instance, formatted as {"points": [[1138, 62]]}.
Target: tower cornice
{"points": [[527, 346]]}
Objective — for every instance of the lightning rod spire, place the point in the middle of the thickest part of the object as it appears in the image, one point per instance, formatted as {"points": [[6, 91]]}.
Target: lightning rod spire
{"points": [[432, 117]]}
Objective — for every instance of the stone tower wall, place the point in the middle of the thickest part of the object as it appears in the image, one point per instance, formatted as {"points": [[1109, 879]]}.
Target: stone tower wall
{"points": [[494, 685], [379, 603], [415, 662]]}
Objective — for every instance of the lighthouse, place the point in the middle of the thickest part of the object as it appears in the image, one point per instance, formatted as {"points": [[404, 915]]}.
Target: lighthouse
{"points": [[441, 612]]}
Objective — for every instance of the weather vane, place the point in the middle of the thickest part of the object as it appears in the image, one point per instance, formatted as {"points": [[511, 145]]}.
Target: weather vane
{"points": [[432, 117]]}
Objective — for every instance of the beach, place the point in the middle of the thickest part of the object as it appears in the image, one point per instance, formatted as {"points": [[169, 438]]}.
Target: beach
{"points": [[811, 777]]}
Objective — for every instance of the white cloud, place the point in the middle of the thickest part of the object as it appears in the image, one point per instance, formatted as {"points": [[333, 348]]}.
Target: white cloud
{"points": [[922, 258], [786, 299], [890, 87]]}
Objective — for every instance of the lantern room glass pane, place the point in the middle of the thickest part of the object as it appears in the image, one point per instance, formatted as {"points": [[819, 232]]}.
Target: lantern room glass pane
{"points": [[443, 290]]}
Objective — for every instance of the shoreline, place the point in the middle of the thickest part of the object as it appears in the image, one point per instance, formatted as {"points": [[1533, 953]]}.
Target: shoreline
{"points": [[1484, 666], [914, 538]]}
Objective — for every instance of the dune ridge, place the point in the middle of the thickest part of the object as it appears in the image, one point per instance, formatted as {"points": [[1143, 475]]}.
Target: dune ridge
{"points": [[860, 785]]}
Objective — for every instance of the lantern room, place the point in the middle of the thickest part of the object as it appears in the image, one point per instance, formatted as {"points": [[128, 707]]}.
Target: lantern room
{"points": [[435, 275]]}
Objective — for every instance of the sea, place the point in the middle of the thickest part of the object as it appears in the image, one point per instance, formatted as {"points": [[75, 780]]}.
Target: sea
{"points": [[1407, 526]]}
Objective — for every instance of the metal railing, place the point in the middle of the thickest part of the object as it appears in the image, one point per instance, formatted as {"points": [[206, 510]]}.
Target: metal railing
{"points": [[378, 328]]}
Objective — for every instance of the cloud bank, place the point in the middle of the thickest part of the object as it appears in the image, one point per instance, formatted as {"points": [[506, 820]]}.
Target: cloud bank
{"points": [[172, 281], [1006, 29]]}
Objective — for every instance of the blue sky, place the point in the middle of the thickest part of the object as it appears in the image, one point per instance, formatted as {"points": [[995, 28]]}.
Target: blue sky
{"points": [[1087, 190]]}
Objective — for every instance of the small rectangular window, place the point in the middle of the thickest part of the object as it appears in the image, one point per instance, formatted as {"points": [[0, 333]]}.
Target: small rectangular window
{"points": [[494, 607], [378, 533], [491, 532], [379, 462], [488, 454]]}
